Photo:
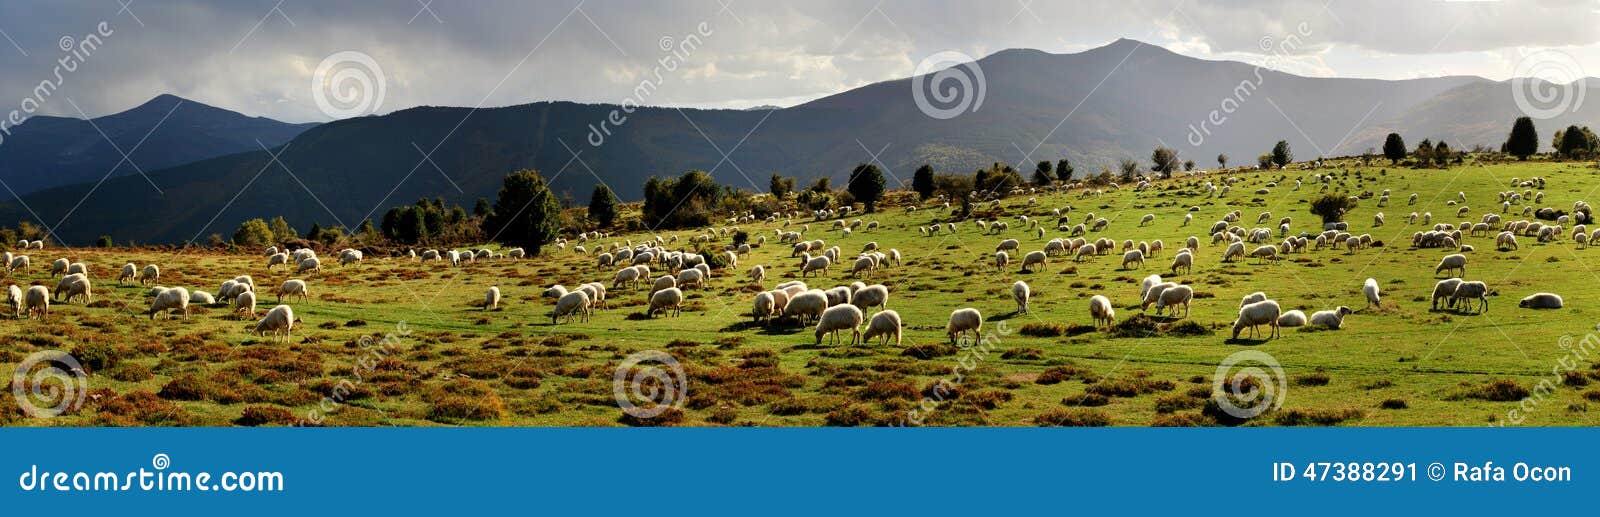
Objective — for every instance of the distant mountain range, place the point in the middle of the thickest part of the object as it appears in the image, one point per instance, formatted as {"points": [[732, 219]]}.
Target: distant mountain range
{"points": [[1094, 107], [166, 131]]}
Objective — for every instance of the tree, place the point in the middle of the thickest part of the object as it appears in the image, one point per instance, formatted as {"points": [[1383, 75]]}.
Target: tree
{"points": [[1331, 207], [1064, 170], [1042, 174], [1188, 165], [1129, 170], [1222, 161], [1281, 155], [281, 231], [688, 200], [481, 208], [603, 206], [103, 242], [1441, 154], [526, 212], [997, 178], [1574, 142], [866, 185], [1264, 160], [780, 186], [1424, 152], [1523, 140], [1394, 148], [922, 181], [1165, 160], [253, 233], [366, 229]]}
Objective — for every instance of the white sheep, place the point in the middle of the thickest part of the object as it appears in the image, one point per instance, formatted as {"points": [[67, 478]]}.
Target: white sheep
{"points": [[202, 298], [571, 305], [1541, 301], [1264, 312], [279, 320], [691, 277], [757, 274], [1035, 258], [283, 258], [1100, 308], [1184, 261], [806, 305], [1133, 257], [838, 318], [151, 275], [14, 299], [73, 286], [59, 267], [809, 264], [885, 323], [1371, 290], [310, 265], [1466, 292], [765, 305], [176, 298], [1019, 294], [669, 299], [1147, 283], [1173, 297], [245, 301], [37, 301], [963, 320], [1449, 263], [876, 295], [1332, 319], [129, 272], [491, 299], [1293, 318], [292, 288]]}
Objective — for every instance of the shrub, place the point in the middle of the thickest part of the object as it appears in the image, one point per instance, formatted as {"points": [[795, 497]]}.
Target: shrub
{"points": [[1038, 329], [1086, 399], [1073, 418], [848, 416], [187, 387], [130, 372], [265, 415], [1312, 379], [1056, 374], [1504, 390], [1174, 403], [1178, 420], [96, 356], [670, 417], [886, 390], [1393, 404], [1296, 417]]}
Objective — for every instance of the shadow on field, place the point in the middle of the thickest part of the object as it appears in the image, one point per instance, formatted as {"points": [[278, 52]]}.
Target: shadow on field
{"points": [[775, 329]]}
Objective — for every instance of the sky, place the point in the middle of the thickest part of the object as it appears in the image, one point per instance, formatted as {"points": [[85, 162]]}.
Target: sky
{"points": [[302, 60]]}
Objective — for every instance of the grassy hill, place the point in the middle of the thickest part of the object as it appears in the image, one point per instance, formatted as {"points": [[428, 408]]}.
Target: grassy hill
{"points": [[1399, 365]]}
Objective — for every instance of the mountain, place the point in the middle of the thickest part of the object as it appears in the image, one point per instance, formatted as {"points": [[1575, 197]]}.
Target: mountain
{"points": [[165, 131], [1095, 107], [1480, 113]]}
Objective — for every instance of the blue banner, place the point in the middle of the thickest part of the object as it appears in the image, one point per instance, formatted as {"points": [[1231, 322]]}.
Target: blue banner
{"points": [[794, 471]]}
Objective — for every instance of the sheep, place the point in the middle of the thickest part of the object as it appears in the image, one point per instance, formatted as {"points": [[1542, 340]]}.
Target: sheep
{"points": [[1035, 258], [865, 264], [691, 277], [1001, 259], [202, 298], [885, 323], [151, 275], [1505, 241], [129, 272], [1008, 244], [1265, 312], [279, 320], [310, 265], [962, 320], [763, 307], [59, 267], [1293, 318], [1102, 312], [573, 304], [757, 274], [1147, 283], [1133, 257], [1019, 293], [280, 258], [176, 298], [1371, 290], [1445, 289], [1266, 253], [1252, 298], [1153, 295], [14, 298], [292, 288], [1173, 297], [1147, 219], [37, 301], [809, 264], [1533, 301], [806, 305], [491, 299], [1449, 263], [1332, 319], [72, 286], [664, 300], [626, 276], [78, 268], [876, 295], [1468, 291], [838, 318], [245, 301], [1184, 261], [1234, 250]]}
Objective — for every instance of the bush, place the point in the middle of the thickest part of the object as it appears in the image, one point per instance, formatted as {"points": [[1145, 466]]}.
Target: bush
{"points": [[265, 415], [1175, 403], [1073, 418], [1393, 404], [1038, 329], [1331, 207], [1296, 417], [1086, 399], [1312, 379], [1504, 390], [1056, 374], [130, 372], [670, 417], [96, 356], [849, 416], [187, 387]]}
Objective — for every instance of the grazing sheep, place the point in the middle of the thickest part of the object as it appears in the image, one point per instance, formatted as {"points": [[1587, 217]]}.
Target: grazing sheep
{"points": [[1035, 258], [14, 299], [1505, 241], [1266, 253], [1449, 263], [1371, 290], [691, 277], [1293, 318], [626, 276], [129, 272], [1008, 244], [1235, 249], [757, 274], [1184, 261], [571, 305], [664, 300], [885, 323], [1133, 257], [1001, 259], [809, 264], [1019, 293], [963, 320], [491, 299], [150, 276], [246, 301], [73, 286], [807, 305], [78, 268], [838, 318], [1534, 301], [293, 288], [283, 258], [1154, 294], [1469, 291], [1332, 319], [1264, 312], [202, 298], [310, 265], [59, 267], [1102, 312], [1252, 298], [1445, 289], [279, 320], [1147, 219], [1147, 283], [37, 301], [876, 295], [176, 298], [1173, 297]]}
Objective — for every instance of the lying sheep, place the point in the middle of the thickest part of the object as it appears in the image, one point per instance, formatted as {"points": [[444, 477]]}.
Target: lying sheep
{"points": [[202, 298], [838, 318], [1538, 301], [885, 323], [279, 320], [1265, 312], [1293, 318], [963, 320], [1331, 319], [1101, 310]]}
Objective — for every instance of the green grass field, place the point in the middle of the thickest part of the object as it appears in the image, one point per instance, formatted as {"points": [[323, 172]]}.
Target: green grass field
{"points": [[1399, 365]]}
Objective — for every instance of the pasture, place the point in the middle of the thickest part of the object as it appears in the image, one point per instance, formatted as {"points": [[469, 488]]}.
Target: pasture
{"points": [[1401, 364]]}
